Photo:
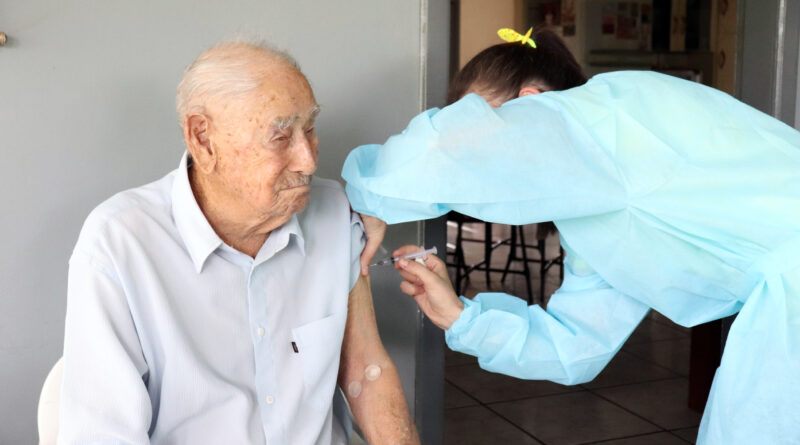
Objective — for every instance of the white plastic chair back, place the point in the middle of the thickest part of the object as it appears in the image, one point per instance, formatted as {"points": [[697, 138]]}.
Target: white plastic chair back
{"points": [[48, 405]]}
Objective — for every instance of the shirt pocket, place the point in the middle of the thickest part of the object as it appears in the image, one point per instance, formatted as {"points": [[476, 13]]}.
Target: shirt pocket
{"points": [[319, 345]]}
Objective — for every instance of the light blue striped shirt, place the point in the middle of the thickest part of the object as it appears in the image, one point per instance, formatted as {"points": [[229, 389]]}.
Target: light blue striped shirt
{"points": [[174, 337]]}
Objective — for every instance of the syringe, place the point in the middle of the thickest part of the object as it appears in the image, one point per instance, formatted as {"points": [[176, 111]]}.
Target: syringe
{"points": [[408, 256]]}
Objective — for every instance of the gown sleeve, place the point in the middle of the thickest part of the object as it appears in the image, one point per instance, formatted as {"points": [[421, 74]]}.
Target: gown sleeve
{"points": [[585, 325], [531, 160]]}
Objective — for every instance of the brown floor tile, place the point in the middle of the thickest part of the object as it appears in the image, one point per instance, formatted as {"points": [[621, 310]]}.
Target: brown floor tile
{"points": [[490, 387], [479, 426], [453, 358], [572, 418], [663, 402], [626, 368], [672, 354], [650, 331], [647, 439], [687, 434], [659, 318], [455, 398]]}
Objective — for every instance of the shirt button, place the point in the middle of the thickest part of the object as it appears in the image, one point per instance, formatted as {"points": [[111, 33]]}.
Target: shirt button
{"points": [[270, 400], [261, 332]]}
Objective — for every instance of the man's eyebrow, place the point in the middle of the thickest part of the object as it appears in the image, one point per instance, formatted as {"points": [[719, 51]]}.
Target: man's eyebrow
{"points": [[283, 122], [314, 112]]}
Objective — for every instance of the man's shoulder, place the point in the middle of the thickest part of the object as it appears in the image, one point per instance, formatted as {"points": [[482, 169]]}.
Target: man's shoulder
{"points": [[327, 202], [324, 185], [128, 211], [327, 190]]}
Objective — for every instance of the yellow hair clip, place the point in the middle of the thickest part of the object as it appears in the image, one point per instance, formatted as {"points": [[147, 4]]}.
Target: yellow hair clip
{"points": [[509, 35]]}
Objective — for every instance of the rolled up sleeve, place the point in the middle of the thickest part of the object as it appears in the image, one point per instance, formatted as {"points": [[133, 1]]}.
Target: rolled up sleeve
{"points": [[358, 239]]}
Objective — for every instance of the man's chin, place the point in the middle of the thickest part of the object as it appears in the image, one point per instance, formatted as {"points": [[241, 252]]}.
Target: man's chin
{"points": [[290, 201], [298, 204]]}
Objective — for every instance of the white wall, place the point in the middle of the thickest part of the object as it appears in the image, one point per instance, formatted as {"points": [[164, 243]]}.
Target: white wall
{"points": [[86, 110]]}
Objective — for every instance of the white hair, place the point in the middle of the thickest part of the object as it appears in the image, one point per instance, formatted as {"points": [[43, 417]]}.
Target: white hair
{"points": [[225, 70]]}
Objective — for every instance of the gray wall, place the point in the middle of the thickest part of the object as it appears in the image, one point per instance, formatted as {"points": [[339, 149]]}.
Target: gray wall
{"points": [[797, 89], [769, 59], [87, 93]]}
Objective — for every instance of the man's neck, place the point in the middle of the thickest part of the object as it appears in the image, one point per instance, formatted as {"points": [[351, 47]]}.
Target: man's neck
{"points": [[235, 226]]}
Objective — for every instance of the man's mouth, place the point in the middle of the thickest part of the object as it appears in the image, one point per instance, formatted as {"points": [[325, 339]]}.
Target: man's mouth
{"points": [[295, 187], [303, 182]]}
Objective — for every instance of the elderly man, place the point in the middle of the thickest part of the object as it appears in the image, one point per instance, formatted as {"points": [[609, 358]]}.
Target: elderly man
{"points": [[219, 304]]}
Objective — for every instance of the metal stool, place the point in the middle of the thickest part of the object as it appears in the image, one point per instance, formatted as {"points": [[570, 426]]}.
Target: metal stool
{"points": [[517, 240], [463, 269]]}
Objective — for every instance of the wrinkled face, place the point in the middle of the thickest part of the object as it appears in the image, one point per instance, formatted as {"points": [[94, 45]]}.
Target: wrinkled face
{"points": [[267, 146]]}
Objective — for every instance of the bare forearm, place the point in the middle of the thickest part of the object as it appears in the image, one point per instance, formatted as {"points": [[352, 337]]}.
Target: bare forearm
{"points": [[380, 407], [369, 378]]}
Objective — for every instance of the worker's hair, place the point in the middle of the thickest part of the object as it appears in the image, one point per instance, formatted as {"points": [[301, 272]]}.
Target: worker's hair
{"points": [[504, 69], [228, 69]]}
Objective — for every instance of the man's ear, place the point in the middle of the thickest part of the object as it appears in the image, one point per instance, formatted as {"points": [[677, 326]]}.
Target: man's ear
{"points": [[195, 133], [528, 90]]}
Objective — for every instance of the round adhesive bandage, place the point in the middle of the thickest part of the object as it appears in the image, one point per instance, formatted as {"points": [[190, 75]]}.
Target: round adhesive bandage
{"points": [[372, 372], [354, 389]]}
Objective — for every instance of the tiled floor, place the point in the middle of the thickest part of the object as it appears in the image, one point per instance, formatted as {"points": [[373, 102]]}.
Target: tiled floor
{"points": [[640, 398]]}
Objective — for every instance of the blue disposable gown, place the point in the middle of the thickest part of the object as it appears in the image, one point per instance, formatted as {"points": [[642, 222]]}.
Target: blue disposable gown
{"points": [[667, 195]]}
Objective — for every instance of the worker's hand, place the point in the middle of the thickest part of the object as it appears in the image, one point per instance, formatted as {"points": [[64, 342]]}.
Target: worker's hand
{"points": [[375, 230], [430, 286]]}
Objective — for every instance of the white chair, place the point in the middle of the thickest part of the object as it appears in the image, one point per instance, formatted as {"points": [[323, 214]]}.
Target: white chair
{"points": [[48, 405]]}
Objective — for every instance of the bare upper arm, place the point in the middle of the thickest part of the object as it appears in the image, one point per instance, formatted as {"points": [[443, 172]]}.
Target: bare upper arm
{"points": [[362, 344]]}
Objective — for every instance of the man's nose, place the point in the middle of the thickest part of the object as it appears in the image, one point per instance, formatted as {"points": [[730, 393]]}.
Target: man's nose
{"points": [[304, 155]]}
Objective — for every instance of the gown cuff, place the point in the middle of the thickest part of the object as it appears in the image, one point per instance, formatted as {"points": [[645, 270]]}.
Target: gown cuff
{"points": [[459, 330]]}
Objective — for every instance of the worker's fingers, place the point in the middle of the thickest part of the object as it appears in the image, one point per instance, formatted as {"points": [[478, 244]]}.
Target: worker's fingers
{"points": [[411, 289], [437, 300], [422, 272], [408, 276], [405, 250], [436, 265], [375, 230]]}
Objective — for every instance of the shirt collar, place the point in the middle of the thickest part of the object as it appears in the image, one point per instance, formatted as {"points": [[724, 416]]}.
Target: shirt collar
{"points": [[293, 228], [198, 235], [200, 238], [279, 239]]}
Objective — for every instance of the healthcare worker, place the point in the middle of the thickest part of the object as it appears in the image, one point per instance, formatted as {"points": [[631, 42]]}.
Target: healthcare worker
{"points": [[667, 195]]}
